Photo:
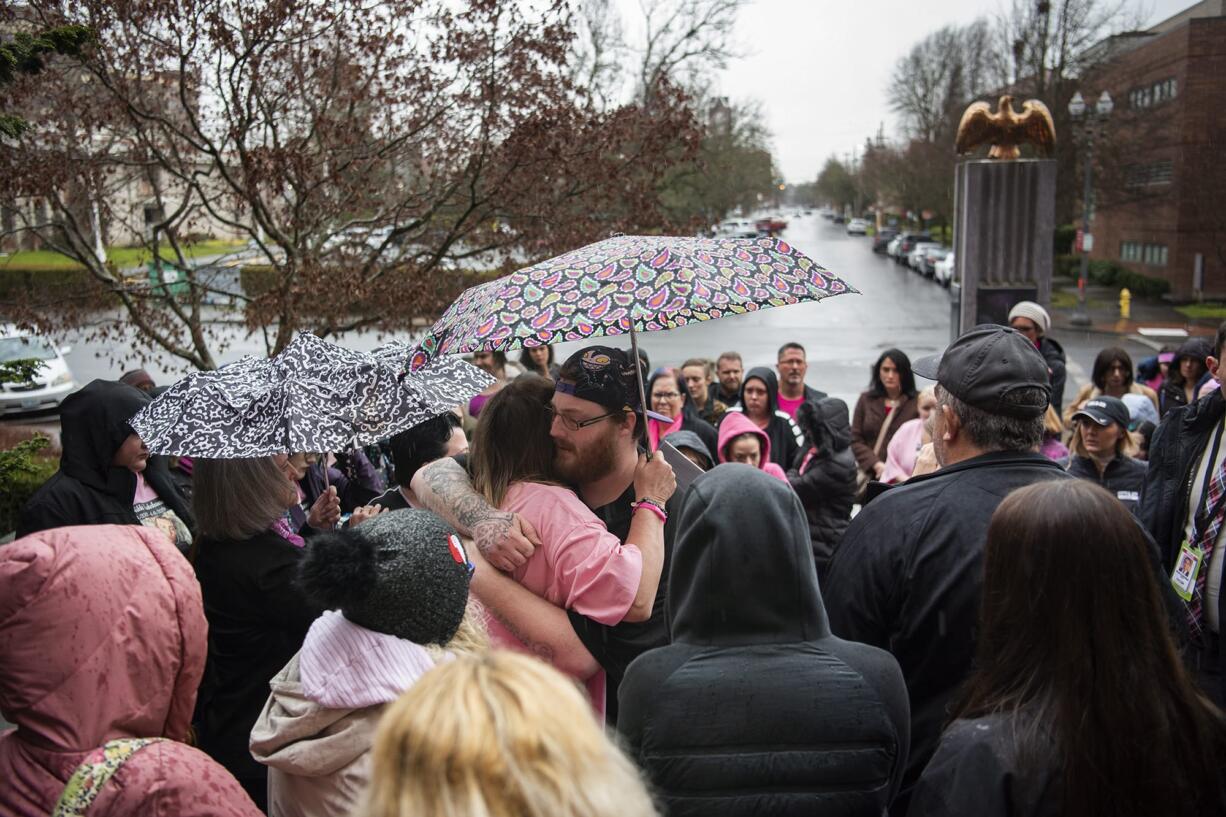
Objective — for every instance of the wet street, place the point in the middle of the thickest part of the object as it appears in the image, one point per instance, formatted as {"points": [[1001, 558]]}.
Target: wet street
{"points": [[843, 335]]}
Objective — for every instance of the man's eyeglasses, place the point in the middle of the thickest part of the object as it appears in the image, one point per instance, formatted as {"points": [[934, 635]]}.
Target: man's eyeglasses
{"points": [[572, 424]]}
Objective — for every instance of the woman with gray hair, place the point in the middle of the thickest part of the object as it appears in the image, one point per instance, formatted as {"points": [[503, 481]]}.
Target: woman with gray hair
{"points": [[246, 558]]}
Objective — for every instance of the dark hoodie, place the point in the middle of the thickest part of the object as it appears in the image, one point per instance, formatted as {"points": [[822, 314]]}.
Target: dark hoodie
{"points": [[784, 434], [825, 480], [755, 708], [88, 490]]}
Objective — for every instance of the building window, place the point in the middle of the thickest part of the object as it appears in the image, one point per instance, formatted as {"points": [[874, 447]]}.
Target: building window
{"points": [[1155, 173], [1153, 94], [1154, 255]]}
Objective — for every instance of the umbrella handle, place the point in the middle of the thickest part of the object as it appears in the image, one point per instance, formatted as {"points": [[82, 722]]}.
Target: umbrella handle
{"points": [[638, 375]]}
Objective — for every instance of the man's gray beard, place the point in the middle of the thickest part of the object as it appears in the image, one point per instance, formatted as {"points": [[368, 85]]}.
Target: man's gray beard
{"points": [[593, 462]]}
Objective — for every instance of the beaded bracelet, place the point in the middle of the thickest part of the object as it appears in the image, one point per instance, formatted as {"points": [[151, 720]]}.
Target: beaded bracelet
{"points": [[653, 506]]}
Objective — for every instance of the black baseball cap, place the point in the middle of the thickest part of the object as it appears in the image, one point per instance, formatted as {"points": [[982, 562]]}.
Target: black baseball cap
{"points": [[986, 365], [604, 375], [1105, 411]]}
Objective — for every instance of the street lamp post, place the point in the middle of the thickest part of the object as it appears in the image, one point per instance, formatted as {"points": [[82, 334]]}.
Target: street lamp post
{"points": [[1092, 119]]}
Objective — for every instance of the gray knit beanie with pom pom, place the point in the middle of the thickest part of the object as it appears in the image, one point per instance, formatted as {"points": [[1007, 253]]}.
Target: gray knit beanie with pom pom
{"points": [[404, 573]]}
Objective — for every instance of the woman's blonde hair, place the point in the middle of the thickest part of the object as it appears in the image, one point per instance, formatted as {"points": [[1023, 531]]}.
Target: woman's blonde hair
{"points": [[1053, 426], [471, 637], [498, 735]]}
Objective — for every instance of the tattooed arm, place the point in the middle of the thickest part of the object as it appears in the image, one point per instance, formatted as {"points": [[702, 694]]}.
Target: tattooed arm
{"points": [[543, 628], [504, 538]]}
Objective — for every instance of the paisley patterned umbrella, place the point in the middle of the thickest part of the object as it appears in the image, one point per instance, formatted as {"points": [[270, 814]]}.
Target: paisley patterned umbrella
{"points": [[626, 284], [314, 396]]}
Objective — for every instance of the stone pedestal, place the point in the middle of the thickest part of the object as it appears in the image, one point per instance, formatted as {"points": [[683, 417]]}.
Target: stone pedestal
{"points": [[1004, 225]]}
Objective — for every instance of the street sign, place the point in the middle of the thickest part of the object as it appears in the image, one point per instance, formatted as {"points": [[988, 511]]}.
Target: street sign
{"points": [[1084, 241]]}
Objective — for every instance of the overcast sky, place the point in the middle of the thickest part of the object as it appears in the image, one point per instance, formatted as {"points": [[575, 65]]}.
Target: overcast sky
{"points": [[820, 67]]}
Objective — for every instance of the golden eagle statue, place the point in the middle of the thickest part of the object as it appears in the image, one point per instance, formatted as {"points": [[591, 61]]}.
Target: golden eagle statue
{"points": [[1006, 129]]}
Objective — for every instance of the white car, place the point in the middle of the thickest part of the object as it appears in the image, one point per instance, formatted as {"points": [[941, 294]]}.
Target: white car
{"points": [[915, 257], [736, 228], [857, 226], [51, 384], [943, 270], [891, 249]]}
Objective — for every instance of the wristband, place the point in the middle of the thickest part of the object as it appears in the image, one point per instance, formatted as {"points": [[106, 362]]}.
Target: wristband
{"points": [[653, 506]]}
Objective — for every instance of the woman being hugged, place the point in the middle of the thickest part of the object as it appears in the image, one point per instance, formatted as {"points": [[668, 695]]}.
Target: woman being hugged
{"points": [[579, 566], [1079, 705]]}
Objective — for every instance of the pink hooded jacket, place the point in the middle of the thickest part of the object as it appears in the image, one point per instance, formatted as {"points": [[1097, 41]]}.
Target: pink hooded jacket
{"points": [[735, 424], [103, 636]]}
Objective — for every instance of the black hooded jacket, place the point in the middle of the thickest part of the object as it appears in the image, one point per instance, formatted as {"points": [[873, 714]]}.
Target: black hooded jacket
{"points": [[785, 436], [87, 489], [827, 486], [755, 708]]}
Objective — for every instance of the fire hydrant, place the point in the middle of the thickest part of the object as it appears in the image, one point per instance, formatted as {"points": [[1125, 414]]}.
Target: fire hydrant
{"points": [[1125, 304]]}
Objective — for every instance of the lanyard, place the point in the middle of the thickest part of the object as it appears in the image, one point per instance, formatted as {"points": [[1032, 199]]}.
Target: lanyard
{"points": [[1201, 520]]}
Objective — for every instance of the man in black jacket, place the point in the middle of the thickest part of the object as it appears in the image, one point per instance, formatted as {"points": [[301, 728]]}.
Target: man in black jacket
{"points": [[759, 401], [1186, 456], [754, 707], [907, 575], [106, 475]]}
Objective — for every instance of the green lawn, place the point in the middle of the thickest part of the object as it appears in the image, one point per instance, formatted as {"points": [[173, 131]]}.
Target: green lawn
{"points": [[1205, 311], [119, 256]]}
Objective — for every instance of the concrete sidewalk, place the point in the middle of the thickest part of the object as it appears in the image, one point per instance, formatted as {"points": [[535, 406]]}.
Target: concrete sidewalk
{"points": [[1104, 311]]}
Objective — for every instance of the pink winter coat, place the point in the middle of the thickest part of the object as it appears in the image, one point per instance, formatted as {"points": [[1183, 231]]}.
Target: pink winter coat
{"points": [[102, 636], [735, 424]]}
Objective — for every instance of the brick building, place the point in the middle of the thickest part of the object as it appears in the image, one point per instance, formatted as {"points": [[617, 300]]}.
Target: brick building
{"points": [[1160, 196]]}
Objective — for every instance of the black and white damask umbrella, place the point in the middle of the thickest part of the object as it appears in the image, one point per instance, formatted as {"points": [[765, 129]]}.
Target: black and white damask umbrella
{"points": [[314, 396]]}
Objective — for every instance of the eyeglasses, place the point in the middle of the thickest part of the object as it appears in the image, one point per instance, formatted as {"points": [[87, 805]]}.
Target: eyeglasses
{"points": [[665, 395], [574, 425]]}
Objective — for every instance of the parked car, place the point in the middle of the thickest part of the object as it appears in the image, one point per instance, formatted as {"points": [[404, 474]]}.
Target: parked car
{"points": [[771, 225], [943, 272], [736, 228], [929, 259], [907, 244], [49, 386], [892, 249], [915, 258], [857, 226], [838, 218], [881, 241]]}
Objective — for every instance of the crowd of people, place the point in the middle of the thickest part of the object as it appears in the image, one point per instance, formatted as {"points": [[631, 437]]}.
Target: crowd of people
{"points": [[965, 599]]}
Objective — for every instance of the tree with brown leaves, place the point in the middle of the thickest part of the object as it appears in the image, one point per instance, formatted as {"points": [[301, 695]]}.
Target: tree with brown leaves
{"points": [[376, 158]]}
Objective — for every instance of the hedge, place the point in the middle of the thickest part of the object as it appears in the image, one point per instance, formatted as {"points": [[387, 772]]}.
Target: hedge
{"points": [[22, 471], [1111, 274], [16, 281]]}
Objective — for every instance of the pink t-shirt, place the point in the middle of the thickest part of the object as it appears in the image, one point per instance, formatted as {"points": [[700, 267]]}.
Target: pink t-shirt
{"points": [[789, 406], [580, 566]]}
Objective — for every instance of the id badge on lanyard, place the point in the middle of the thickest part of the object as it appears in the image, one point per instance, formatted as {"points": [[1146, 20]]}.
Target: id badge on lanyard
{"points": [[1191, 558]]}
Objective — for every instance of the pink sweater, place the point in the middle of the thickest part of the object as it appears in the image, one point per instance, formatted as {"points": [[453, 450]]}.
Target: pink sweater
{"points": [[580, 566]]}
